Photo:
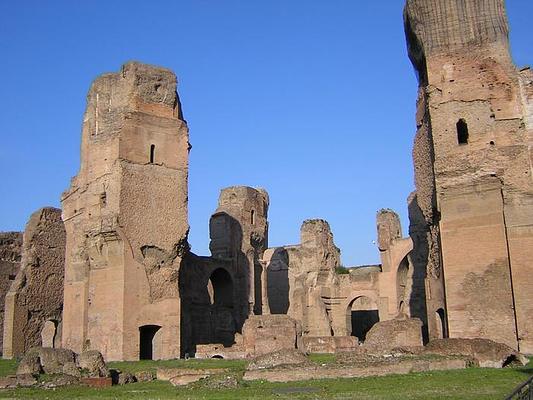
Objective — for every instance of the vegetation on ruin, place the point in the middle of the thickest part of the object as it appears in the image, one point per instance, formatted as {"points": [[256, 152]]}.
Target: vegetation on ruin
{"points": [[472, 383]]}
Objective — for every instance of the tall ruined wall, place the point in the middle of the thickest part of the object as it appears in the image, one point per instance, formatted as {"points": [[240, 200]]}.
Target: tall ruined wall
{"points": [[35, 298], [472, 169], [125, 215], [239, 229], [10, 255], [220, 292], [301, 279]]}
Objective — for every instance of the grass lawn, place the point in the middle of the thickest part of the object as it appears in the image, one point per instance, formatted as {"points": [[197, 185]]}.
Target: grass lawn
{"points": [[472, 383]]}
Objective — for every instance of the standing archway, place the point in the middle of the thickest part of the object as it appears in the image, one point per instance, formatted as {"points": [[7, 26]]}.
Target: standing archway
{"points": [[362, 314], [222, 321], [220, 287], [147, 341], [401, 286]]}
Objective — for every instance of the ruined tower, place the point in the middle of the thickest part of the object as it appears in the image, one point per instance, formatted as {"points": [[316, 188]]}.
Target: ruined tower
{"points": [[125, 217], [472, 215]]}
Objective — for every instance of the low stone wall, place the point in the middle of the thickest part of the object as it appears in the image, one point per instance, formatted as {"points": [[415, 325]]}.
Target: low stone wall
{"points": [[297, 373], [329, 344]]}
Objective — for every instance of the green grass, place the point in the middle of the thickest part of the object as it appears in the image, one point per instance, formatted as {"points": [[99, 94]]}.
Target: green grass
{"points": [[469, 384], [8, 367], [322, 358]]}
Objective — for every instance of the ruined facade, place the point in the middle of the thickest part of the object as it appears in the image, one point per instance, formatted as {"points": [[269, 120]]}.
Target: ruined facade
{"points": [[220, 292], [126, 220], [10, 256], [472, 215], [133, 289], [34, 302]]}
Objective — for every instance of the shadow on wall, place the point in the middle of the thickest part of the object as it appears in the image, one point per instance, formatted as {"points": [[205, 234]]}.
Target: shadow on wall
{"points": [[215, 290], [278, 282], [420, 260], [362, 314]]}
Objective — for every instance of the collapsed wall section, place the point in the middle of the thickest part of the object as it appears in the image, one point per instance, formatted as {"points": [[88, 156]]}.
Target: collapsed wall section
{"points": [[34, 302], [10, 256]]}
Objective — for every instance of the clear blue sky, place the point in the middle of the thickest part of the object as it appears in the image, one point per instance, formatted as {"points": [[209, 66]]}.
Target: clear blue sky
{"points": [[312, 100]]}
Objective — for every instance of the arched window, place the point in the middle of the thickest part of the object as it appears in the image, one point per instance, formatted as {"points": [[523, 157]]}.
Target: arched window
{"points": [[252, 217], [441, 324], [462, 131], [362, 314], [222, 288], [152, 153]]}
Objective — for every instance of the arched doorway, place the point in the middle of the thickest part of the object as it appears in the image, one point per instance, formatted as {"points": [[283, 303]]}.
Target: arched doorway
{"points": [[401, 286], [220, 288], [440, 323], [222, 321], [362, 314], [147, 335]]}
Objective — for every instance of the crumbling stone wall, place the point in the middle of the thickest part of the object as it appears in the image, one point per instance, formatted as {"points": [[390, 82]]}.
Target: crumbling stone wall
{"points": [[472, 169], [220, 292], [35, 298], [300, 278], [10, 256], [126, 217]]}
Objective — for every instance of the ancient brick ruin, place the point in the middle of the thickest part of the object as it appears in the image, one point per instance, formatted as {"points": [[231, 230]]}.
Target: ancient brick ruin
{"points": [[116, 273]]}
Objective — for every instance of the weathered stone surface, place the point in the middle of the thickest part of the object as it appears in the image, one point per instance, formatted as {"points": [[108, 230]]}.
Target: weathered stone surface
{"points": [[166, 374], [10, 256], [36, 295], [387, 335], [45, 360], [125, 377], [144, 376], [265, 334], [95, 381], [12, 382], [329, 344], [185, 379], [126, 218], [30, 364], [485, 352], [277, 358], [471, 219], [403, 366], [63, 362], [92, 363]]}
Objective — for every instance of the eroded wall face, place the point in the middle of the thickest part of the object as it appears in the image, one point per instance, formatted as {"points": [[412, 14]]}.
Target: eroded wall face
{"points": [[126, 216], [35, 298], [478, 108], [10, 256]]}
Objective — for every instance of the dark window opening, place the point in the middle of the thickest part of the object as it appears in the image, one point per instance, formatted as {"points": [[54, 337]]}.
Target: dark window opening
{"points": [[362, 315], [462, 132], [362, 321], [146, 343], [12, 277], [441, 324], [152, 153], [222, 288], [252, 217], [103, 199]]}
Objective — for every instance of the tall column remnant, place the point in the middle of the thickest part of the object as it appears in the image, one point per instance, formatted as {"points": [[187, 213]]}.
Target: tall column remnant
{"points": [[472, 214], [126, 220]]}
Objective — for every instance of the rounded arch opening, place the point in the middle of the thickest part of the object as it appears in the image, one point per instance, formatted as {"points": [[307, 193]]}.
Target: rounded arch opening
{"points": [[147, 345], [220, 288], [401, 285], [362, 314], [440, 323]]}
